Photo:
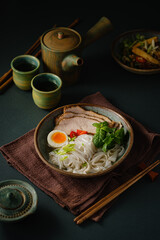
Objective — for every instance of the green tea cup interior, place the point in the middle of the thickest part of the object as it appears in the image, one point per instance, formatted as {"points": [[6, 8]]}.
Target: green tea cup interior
{"points": [[24, 67], [46, 90]]}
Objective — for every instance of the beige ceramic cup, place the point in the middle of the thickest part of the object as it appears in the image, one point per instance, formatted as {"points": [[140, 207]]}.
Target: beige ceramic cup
{"points": [[24, 67], [46, 90]]}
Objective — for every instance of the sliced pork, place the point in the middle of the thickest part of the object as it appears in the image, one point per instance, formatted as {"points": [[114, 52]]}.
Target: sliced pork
{"points": [[76, 117], [72, 124], [72, 114], [80, 110]]}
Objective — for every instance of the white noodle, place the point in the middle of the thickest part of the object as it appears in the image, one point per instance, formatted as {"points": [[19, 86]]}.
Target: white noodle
{"points": [[85, 157]]}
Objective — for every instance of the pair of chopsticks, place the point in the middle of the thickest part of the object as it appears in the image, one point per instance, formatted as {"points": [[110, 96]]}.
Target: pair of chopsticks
{"points": [[6, 79], [115, 193]]}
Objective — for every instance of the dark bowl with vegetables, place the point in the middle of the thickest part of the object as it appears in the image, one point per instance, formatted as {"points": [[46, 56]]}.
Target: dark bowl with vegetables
{"points": [[105, 136], [138, 51]]}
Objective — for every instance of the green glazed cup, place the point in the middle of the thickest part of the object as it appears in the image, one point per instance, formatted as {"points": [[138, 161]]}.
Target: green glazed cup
{"points": [[24, 67], [46, 90]]}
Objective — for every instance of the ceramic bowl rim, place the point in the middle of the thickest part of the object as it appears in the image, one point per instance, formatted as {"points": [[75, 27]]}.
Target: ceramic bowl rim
{"points": [[91, 174]]}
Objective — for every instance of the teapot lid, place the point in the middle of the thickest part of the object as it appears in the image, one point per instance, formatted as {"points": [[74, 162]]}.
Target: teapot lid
{"points": [[61, 39], [17, 200]]}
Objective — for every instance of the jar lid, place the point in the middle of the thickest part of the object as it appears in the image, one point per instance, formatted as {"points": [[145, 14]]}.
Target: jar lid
{"points": [[61, 39], [17, 200]]}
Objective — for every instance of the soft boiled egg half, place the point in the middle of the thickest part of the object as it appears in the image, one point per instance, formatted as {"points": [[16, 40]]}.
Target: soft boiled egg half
{"points": [[57, 138]]}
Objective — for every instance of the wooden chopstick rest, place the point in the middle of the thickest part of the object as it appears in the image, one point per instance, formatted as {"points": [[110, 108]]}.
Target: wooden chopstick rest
{"points": [[152, 174]]}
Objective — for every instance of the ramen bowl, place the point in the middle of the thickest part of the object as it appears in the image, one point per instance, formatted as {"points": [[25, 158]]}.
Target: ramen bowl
{"points": [[47, 124]]}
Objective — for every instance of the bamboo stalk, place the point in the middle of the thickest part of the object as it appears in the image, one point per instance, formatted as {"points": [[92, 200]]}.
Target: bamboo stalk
{"points": [[4, 81], [115, 193]]}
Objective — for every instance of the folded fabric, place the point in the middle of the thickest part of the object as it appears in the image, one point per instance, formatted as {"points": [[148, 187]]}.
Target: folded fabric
{"points": [[78, 194]]}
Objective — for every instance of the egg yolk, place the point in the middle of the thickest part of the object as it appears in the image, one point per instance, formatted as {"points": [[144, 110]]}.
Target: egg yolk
{"points": [[58, 137]]}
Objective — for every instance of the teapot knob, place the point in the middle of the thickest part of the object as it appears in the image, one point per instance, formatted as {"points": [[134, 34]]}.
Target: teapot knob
{"points": [[60, 35], [10, 198]]}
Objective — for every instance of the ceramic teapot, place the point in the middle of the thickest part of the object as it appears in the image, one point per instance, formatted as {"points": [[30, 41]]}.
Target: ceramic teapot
{"points": [[62, 48]]}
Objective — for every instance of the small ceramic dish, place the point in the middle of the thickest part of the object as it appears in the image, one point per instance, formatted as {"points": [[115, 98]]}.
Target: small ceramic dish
{"points": [[47, 124], [117, 49], [18, 199]]}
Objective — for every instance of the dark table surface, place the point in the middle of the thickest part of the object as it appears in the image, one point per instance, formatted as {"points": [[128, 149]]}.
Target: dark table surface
{"points": [[136, 214]]}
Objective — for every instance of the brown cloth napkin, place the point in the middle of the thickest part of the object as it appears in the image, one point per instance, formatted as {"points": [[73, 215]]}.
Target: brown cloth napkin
{"points": [[78, 194]]}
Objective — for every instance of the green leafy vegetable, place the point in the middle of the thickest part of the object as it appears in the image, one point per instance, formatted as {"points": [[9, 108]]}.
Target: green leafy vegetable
{"points": [[100, 125], [98, 137], [107, 137], [119, 136]]}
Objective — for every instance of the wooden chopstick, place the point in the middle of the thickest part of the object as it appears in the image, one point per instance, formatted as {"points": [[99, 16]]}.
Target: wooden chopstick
{"points": [[6, 75], [5, 84], [4, 81], [115, 193]]}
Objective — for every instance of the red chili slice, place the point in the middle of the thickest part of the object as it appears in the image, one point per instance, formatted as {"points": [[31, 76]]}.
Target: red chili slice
{"points": [[140, 59], [73, 134], [80, 132]]}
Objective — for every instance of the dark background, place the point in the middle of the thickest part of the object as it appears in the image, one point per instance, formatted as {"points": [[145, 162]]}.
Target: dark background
{"points": [[136, 214]]}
